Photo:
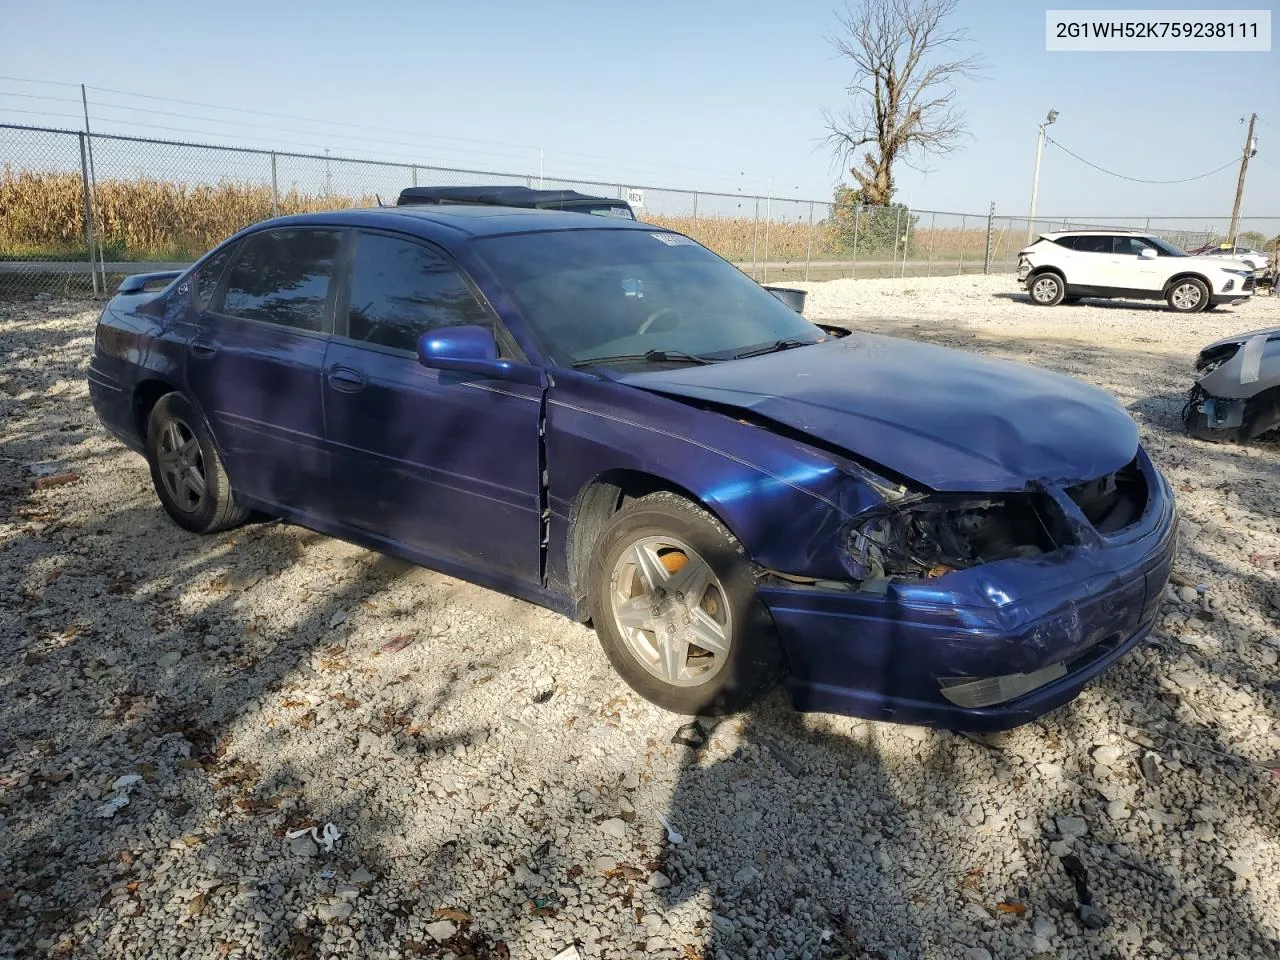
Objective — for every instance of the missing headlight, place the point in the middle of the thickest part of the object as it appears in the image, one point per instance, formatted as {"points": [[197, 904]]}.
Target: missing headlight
{"points": [[932, 537]]}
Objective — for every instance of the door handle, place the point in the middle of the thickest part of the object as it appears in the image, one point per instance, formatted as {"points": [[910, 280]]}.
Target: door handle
{"points": [[346, 379], [203, 348]]}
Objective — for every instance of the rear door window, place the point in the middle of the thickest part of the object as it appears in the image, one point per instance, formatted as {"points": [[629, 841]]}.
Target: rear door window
{"points": [[1093, 244], [283, 277], [1132, 246], [401, 289]]}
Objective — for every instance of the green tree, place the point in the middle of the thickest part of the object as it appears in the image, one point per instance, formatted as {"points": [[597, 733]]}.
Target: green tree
{"points": [[878, 229]]}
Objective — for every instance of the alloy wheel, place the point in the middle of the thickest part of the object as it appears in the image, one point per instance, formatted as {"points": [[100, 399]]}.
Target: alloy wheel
{"points": [[671, 611], [181, 465], [1186, 296], [1044, 289]]}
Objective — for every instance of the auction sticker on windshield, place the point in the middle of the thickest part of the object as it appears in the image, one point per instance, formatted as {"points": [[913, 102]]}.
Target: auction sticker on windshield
{"points": [[673, 239]]}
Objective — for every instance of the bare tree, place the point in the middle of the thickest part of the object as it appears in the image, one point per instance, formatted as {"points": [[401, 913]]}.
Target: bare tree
{"points": [[902, 91]]}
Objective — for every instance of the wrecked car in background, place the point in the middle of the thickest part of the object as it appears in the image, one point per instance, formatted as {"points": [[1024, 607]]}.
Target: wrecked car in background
{"points": [[608, 419], [1236, 394]]}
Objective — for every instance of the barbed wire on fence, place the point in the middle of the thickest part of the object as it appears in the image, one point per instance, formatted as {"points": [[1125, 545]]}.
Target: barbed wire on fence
{"points": [[78, 212]]}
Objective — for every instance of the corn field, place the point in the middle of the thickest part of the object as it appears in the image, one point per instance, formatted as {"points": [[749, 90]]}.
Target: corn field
{"points": [[42, 215]]}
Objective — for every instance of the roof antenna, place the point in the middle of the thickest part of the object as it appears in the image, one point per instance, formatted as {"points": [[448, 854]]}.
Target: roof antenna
{"points": [[379, 199]]}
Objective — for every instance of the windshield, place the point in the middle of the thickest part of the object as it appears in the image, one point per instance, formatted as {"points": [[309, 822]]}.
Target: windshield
{"points": [[630, 293], [1166, 249]]}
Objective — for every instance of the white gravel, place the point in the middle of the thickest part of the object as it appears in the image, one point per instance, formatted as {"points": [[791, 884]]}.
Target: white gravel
{"points": [[273, 679]]}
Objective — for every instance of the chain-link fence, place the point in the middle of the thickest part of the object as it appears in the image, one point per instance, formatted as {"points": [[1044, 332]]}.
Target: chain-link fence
{"points": [[79, 212]]}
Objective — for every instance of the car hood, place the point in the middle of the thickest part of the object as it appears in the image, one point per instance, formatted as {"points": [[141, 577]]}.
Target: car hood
{"points": [[1210, 260], [946, 419], [1271, 332]]}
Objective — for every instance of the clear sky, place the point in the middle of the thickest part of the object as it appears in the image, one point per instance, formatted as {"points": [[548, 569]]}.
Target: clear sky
{"points": [[707, 94]]}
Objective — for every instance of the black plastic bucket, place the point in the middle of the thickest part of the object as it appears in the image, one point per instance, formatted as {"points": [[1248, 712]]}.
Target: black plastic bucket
{"points": [[792, 297]]}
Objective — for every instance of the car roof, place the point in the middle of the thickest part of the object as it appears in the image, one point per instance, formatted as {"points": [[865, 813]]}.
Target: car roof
{"points": [[459, 220], [1096, 233]]}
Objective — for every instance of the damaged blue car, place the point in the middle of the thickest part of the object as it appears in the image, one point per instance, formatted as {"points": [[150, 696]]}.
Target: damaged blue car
{"points": [[605, 418]]}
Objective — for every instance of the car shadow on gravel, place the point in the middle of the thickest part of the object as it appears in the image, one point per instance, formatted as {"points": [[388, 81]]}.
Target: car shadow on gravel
{"points": [[1225, 309], [73, 636], [825, 837]]}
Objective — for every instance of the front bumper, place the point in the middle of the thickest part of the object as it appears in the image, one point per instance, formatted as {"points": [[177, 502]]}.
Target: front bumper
{"points": [[882, 657], [1241, 292]]}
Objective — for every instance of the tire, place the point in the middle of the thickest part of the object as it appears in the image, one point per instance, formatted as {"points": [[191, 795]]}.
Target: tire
{"points": [[1188, 295], [1047, 289], [664, 536], [192, 484]]}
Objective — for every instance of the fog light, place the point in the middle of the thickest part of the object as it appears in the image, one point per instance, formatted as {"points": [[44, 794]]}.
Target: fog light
{"points": [[1229, 285], [987, 691]]}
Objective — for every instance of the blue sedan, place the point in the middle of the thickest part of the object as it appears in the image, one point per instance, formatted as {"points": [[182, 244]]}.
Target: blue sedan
{"points": [[605, 418]]}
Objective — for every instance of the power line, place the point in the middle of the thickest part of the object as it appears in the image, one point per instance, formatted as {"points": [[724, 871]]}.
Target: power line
{"points": [[393, 158], [39, 96], [418, 141], [289, 116], [1112, 173], [51, 83], [418, 135], [324, 135], [41, 113], [379, 129]]}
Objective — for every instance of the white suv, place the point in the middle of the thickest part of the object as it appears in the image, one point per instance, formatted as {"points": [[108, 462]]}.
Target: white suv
{"points": [[1066, 266]]}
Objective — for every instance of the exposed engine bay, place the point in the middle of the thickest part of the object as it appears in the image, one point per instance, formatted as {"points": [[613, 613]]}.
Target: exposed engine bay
{"points": [[926, 536], [929, 537]]}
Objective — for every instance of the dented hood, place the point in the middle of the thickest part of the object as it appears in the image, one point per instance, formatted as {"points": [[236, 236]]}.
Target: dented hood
{"points": [[947, 419]]}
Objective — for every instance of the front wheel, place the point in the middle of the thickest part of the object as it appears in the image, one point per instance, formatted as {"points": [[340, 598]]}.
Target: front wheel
{"points": [[1188, 296], [673, 600], [188, 475], [1047, 290]]}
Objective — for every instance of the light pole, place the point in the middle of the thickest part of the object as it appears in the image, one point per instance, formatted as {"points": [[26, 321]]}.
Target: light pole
{"points": [[1035, 180]]}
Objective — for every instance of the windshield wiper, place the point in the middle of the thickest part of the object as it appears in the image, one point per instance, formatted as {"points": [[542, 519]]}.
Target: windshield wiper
{"points": [[789, 343], [653, 356]]}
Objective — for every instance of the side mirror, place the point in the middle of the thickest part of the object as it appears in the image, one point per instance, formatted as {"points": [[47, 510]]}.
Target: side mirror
{"points": [[1148, 253], [472, 349]]}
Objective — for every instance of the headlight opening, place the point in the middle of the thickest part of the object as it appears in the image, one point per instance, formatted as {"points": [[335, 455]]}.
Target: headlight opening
{"points": [[934, 536]]}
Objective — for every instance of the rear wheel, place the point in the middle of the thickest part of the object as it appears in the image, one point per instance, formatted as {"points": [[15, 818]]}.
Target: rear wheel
{"points": [[673, 600], [1047, 289], [1188, 295], [188, 476]]}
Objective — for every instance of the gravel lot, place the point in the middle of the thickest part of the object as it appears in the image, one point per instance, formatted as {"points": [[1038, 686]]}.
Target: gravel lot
{"points": [[498, 790]]}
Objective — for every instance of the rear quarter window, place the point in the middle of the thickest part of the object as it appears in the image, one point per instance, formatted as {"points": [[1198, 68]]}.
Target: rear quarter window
{"points": [[208, 276]]}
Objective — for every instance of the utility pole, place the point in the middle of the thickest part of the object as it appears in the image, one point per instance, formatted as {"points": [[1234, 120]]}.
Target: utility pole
{"points": [[93, 187], [1244, 167], [1035, 179]]}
